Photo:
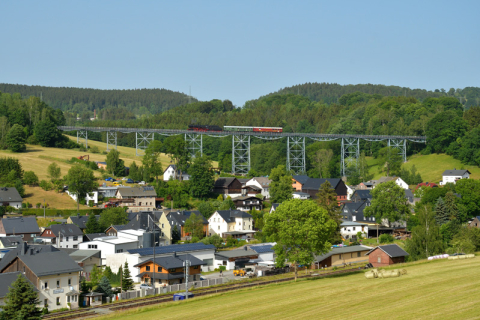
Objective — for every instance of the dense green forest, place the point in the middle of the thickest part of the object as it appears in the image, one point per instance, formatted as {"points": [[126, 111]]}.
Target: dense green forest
{"points": [[109, 104], [331, 92]]}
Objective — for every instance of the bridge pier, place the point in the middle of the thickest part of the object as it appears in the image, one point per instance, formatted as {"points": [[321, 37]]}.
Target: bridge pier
{"points": [[296, 154], [240, 154], [111, 139], [350, 154], [194, 143], [142, 140], [401, 145], [82, 134]]}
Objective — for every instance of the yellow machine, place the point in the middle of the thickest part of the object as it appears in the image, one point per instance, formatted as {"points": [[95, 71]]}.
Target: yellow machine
{"points": [[239, 272]]}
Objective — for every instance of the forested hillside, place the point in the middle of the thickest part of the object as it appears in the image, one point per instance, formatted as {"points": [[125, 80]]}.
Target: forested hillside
{"points": [[331, 92], [110, 104]]}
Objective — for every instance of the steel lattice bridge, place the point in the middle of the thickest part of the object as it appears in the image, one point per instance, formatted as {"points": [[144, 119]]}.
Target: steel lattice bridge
{"points": [[241, 143]]}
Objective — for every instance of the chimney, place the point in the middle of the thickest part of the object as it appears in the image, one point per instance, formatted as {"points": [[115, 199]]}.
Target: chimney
{"points": [[24, 248], [174, 253]]}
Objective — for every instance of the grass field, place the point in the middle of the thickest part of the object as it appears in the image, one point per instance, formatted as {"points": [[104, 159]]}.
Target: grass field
{"points": [[441, 289], [430, 166]]}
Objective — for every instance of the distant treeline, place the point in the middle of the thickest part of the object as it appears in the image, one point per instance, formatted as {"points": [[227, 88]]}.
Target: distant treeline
{"points": [[119, 104]]}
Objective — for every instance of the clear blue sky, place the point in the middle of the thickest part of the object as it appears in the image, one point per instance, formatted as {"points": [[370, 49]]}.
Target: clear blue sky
{"points": [[239, 50]]}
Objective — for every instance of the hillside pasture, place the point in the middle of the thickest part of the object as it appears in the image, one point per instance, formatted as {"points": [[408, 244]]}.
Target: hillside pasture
{"points": [[440, 289]]}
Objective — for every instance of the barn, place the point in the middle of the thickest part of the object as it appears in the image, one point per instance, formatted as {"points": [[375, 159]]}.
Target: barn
{"points": [[386, 255]]}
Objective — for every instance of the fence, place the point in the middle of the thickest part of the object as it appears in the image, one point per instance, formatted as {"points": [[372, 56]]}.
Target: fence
{"points": [[172, 288]]}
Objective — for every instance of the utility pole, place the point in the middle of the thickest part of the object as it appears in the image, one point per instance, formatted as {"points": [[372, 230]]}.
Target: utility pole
{"points": [[154, 243], [44, 216], [186, 263]]}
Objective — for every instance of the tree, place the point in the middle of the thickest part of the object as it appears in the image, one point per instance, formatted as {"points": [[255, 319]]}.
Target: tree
{"points": [[95, 275], [194, 226], [175, 234], [21, 301], [281, 186], [363, 168], [115, 165], [16, 139], [441, 215], [201, 176], [92, 225], [177, 149], [327, 199], [215, 239], [104, 287], [389, 160], [443, 129], [47, 134], [113, 216], [84, 286], [151, 161], [426, 239], [301, 229], [321, 159], [206, 209], [30, 178], [80, 181], [54, 171], [127, 282], [135, 173], [388, 203]]}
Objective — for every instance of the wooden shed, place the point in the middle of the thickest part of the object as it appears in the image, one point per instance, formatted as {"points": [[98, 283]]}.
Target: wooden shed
{"points": [[386, 255]]}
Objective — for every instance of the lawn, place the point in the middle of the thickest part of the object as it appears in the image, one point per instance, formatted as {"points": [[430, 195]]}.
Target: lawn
{"points": [[431, 290], [430, 166]]}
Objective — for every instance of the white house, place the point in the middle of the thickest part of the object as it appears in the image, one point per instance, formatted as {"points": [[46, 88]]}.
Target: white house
{"points": [[10, 197], [350, 192], [398, 181], [451, 176], [91, 196], [262, 183], [63, 235], [265, 251], [223, 222], [170, 174], [300, 195], [234, 258], [110, 245], [349, 229]]}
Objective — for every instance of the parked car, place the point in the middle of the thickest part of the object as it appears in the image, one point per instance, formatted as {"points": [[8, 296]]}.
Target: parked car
{"points": [[109, 179], [129, 181], [142, 183], [145, 286], [117, 183]]}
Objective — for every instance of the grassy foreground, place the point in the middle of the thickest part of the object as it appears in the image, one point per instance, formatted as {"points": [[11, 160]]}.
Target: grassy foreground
{"points": [[441, 289]]}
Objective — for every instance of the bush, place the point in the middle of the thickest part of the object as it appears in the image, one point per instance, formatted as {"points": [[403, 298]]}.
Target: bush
{"points": [[45, 185], [94, 149], [386, 238]]}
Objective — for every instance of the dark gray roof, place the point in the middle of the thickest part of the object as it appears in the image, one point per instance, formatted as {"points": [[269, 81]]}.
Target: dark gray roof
{"points": [[230, 215], [6, 280], [49, 263], [408, 193], [224, 182], [20, 225], [362, 194], [342, 250], [315, 183], [10, 241], [81, 221], [175, 261], [81, 255], [180, 217], [132, 192], [117, 227], [236, 253], [301, 178], [26, 249], [65, 229], [455, 172], [392, 250], [173, 248], [9, 194], [142, 221]]}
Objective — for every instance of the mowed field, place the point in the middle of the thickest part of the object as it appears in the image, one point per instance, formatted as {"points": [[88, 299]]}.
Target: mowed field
{"points": [[430, 166], [441, 289]]}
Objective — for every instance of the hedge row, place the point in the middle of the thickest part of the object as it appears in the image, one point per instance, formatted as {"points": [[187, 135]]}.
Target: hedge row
{"points": [[57, 212]]}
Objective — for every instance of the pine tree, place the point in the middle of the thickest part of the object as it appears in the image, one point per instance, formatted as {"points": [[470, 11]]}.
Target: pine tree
{"points": [[21, 301], [104, 287], [441, 215], [451, 208], [127, 282], [92, 225]]}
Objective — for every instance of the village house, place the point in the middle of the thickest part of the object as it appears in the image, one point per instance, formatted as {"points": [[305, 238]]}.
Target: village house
{"points": [[55, 275], [350, 229], [80, 221], [361, 195], [398, 181], [341, 256], [236, 258], [300, 195], [6, 281], [228, 187], [247, 203], [10, 242], [475, 223], [24, 227], [170, 174], [452, 176], [87, 260], [92, 236], [251, 191], [298, 181], [178, 219], [63, 235], [262, 183], [112, 231], [386, 255], [9, 196], [312, 185], [235, 223], [136, 198], [265, 252], [169, 270], [90, 197], [106, 191]]}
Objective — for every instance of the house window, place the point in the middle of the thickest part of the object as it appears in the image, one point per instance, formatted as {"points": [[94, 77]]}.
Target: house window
{"points": [[358, 254], [58, 301], [58, 283], [162, 226], [68, 299], [75, 238], [195, 267], [353, 228], [69, 282], [339, 256], [224, 262], [46, 284], [147, 268], [159, 269], [379, 259], [66, 246], [172, 270], [119, 250], [75, 246], [218, 227], [139, 203]]}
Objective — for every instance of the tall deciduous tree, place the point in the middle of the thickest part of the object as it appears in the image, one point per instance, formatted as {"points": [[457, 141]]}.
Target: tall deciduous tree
{"points": [[469, 189], [201, 176], [177, 149], [54, 171], [21, 301], [80, 181], [388, 203], [135, 173], [30, 178], [194, 226], [115, 165], [113, 216], [46, 133], [426, 239], [321, 159], [389, 160], [327, 199], [281, 186], [301, 229], [151, 161], [127, 282], [16, 139]]}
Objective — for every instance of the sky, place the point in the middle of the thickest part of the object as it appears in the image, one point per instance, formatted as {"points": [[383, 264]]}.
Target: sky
{"points": [[239, 50]]}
